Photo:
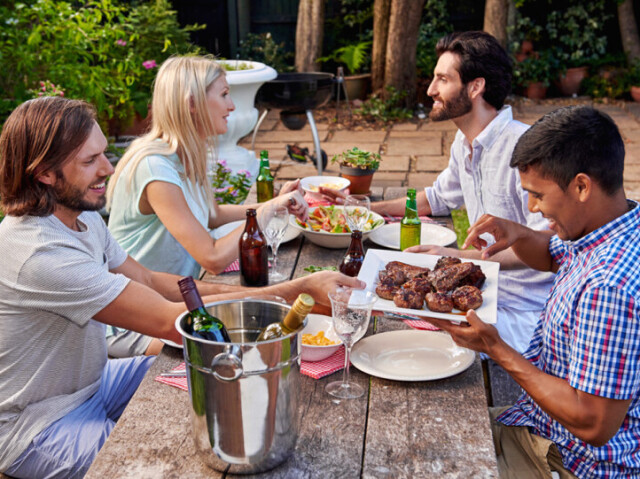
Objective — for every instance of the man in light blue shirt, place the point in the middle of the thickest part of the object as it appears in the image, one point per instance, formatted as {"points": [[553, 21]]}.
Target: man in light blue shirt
{"points": [[470, 83]]}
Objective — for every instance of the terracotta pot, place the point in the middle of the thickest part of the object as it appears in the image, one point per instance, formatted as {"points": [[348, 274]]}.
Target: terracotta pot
{"points": [[635, 93], [569, 83], [536, 91], [357, 86], [360, 179]]}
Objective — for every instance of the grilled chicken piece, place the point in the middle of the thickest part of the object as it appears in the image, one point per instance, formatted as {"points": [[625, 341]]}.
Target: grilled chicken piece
{"points": [[386, 289], [395, 276], [445, 261], [475, 278], [407, 298], [447, 279], [466, 298], [439, 302], [420, 284]]}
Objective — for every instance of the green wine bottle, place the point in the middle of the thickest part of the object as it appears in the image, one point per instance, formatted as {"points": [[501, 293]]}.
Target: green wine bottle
{"points": [[410, 226], [204, 325], [292, 321], [264, 182]]}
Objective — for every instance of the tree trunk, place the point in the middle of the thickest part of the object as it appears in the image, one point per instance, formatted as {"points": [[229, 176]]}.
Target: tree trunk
{"points": [[495, 19], [309, 31], [629, 30], [381, 11], [402, 42]]}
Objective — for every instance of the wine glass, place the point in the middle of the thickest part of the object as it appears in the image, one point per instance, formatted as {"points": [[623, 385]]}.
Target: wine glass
{"points": [[350, 312], [356, 211], [276, 221]]}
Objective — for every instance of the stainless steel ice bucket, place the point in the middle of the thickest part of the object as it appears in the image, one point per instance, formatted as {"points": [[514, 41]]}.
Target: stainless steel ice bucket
{"points": [[244, 394]]}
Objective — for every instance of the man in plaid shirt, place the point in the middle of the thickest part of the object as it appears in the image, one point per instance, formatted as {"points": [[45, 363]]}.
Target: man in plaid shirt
{"points": [[579, 413]]}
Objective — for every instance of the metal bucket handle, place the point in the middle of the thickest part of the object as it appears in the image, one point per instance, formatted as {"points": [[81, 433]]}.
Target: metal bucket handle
{"points": [[231, 356]]}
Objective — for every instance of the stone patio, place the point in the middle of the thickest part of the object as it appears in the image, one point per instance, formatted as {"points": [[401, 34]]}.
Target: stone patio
{"points": [[414, 153]]}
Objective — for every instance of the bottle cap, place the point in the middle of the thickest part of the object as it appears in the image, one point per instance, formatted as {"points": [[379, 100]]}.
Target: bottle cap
{"points": [[303, 304]]}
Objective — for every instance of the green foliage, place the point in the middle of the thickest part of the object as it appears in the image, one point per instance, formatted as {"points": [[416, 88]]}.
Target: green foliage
{"points": [[434, 26], [262, 48], [353, 56], [577, 33], [357, 158], [229, 188], [389, 109], [103, 51], [539, 67], [606, 86]]}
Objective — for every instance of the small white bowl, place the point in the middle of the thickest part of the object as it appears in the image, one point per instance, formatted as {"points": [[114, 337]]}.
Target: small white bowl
{"points": [[332, 240], [315, 324], [310, 184]]}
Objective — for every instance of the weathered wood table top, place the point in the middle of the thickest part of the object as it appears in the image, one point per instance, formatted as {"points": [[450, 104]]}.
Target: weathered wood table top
{"points": [[396, 430]]}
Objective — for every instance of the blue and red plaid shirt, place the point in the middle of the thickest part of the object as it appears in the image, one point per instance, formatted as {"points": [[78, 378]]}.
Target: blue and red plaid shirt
{"points": [[589, 335]]}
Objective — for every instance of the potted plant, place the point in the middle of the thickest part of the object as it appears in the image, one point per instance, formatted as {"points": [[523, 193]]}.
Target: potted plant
{"points": [[358, 167], [353, 57], [579, 39], [534, 73]]}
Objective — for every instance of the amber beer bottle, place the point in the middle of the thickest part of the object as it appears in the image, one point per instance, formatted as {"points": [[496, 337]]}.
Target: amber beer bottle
{"points": [[292, 321], [410, 226], [264, 182], [352, 261], [254, 266], [205, 325]]}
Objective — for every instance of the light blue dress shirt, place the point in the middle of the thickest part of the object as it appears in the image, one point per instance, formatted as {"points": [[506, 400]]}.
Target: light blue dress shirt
{"points": [[479, 177]]}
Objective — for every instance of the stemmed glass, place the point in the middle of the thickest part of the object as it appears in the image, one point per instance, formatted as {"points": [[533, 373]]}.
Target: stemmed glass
{"points": [[350, 311], [276, 221], [356, 211]]}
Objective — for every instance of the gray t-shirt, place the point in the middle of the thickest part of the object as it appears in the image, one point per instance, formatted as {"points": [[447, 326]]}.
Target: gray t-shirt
{"points": [[52, 353]]}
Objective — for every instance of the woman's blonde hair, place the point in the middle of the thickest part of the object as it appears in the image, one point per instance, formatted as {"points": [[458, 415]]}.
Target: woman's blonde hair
{"points": [[180, 119]]}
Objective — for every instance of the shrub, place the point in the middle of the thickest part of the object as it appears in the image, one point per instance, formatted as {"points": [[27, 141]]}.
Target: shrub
{"points": [[103, 51]]}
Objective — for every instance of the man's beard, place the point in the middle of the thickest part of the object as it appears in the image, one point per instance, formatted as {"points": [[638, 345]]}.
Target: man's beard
{"points": [[72, 198], [460, 105]]}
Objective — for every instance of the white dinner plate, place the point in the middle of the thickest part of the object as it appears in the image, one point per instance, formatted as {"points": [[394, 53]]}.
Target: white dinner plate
{"points": [[410, 355], [377, 259], [310, 184], [389, 235], [225, 229]]}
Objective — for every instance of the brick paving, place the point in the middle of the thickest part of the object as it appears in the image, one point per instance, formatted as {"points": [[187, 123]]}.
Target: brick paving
{"points": [[414, 153]]}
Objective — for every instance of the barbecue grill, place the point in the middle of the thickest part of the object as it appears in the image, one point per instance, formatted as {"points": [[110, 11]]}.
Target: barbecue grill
{"points": [[297, 95]]}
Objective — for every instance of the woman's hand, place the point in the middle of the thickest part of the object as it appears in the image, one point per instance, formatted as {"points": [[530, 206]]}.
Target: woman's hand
{"points": [[295, 203], [289, 186]]}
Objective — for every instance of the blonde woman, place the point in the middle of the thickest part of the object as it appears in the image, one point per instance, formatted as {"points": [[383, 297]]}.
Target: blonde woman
{"points": [[161, 204]]}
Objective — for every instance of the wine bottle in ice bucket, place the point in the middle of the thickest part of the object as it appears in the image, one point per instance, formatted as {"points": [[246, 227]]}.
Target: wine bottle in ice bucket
{"points": [[203, 324], [254, 256], [292, 321]]}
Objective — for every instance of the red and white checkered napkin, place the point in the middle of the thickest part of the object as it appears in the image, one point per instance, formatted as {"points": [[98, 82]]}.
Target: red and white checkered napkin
{"points": [[320, 369], [233, 267], [420, 324], [179, 382]]}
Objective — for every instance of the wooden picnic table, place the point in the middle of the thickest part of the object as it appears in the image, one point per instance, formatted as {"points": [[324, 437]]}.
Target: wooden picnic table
{"points": [[397, 429]]}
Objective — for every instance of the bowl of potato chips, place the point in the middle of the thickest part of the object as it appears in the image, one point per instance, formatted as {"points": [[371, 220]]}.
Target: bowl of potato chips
{"points": [[319, 340]]}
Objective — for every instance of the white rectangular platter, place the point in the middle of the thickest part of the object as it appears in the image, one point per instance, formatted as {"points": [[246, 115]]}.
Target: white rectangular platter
{"points": [[376, 260]]}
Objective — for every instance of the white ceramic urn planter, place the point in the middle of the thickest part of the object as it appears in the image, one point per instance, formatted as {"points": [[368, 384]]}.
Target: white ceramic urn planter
{"points": [[243, 86]]}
